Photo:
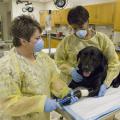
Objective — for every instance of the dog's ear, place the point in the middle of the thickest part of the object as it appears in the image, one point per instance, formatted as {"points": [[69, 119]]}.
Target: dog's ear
{"points": [[78, 55], [104, 61]]}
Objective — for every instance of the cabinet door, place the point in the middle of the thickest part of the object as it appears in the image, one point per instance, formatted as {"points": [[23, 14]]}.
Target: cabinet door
{"points": [[43, 17], [117, 16], [45, 42], [60, 16], [54, 43], [92, 9], [57, 15], [53, 17], [101, 14], [63, 16], [105, 13], [42, 23]]}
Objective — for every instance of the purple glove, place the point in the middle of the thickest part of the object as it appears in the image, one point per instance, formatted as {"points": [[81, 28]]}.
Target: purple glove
{"points": [[102, 91], [50, 105]]}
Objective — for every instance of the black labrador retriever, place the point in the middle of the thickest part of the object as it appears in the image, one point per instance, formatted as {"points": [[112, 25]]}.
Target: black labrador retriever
{"points": [[92, 65]]}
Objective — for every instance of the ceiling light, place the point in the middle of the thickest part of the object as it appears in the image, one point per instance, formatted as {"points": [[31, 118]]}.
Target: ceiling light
{"points": [[60, 3]]}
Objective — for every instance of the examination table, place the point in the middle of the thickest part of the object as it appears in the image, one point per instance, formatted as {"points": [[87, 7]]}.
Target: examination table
{"points": [[95, 108]]}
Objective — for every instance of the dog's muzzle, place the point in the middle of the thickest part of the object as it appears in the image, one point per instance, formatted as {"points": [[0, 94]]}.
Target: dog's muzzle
{"points": [[86, 71]]}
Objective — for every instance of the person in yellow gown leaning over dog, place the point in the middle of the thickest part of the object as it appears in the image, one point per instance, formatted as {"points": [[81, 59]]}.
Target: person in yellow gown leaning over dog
{"points": [[66, 53]]}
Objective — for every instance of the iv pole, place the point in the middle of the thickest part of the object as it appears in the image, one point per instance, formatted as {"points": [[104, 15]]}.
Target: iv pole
{"points": [[49, 42], [48, 29]]}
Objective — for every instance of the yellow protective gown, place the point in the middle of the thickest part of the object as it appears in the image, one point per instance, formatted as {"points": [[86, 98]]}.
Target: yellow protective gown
{"points": [[24, 86], [68, 49]]}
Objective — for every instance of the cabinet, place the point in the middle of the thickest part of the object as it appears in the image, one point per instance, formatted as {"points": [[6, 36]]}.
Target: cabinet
{"points": [[56, 15], [64, 13], [54, 42], [60, 16], [43, 17], [105, 13], [101, 14], [117, 16], [92, 13], [53, 17]]}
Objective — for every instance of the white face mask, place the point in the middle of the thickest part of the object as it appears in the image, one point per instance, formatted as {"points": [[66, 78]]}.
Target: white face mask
{"points": [[81, 33]]}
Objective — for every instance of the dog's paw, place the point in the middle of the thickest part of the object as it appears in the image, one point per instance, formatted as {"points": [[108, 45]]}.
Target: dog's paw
{"points": [[116, 85]]}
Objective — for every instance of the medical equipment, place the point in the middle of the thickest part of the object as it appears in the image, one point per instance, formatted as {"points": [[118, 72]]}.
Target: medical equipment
{"points": [[48, 28], [28, 6], [60, 3], [78, 92]]}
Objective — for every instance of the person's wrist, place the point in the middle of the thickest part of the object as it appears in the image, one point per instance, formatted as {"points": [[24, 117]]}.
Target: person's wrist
{"points": [[105, 85], [71, 92], [50, 105]]}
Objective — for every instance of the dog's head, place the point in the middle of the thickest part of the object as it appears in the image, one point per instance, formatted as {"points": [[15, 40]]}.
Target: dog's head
{"points": [[89, 60]]}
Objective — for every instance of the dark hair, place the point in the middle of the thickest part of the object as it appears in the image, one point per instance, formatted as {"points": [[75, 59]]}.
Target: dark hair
{"points": [[78, 15], [23, 27]]}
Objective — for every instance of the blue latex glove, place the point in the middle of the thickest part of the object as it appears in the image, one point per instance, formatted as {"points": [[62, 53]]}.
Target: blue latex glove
{"points": [[74, 99], [76, 76], [102, 90], [50, 105], [69, 99]]}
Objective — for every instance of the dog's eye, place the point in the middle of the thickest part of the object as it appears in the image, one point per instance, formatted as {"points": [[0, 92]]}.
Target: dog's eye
{"points": [[96, 62], [92, 53]]}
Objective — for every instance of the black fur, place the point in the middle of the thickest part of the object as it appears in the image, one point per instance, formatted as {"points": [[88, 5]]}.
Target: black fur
{"points": [[92, 65]]}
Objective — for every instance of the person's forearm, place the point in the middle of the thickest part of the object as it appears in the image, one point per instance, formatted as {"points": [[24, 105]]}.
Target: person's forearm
{"points": [[66, 68], [111, 75], [62, 93], [21, 105], [58, 87]]}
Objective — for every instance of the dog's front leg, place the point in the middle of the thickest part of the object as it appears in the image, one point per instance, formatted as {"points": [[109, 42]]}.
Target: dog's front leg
{"points": [[94, 90]]}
